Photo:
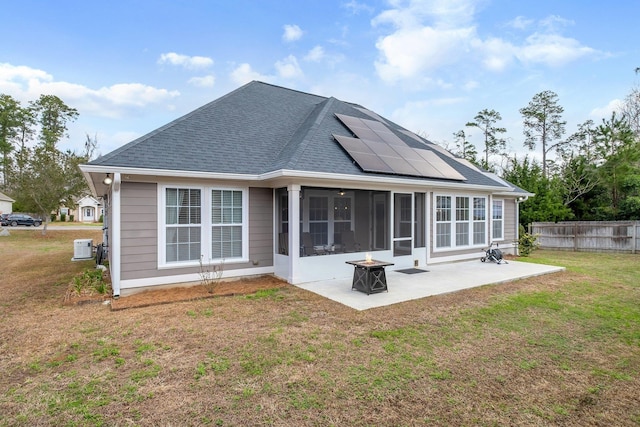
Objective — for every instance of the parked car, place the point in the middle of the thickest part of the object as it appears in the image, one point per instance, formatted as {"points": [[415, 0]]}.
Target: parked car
{"points": [[20, 219], [3, 217]]}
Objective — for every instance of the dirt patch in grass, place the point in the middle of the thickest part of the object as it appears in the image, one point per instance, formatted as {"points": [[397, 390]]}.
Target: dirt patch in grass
{"points": [[194, 292]]}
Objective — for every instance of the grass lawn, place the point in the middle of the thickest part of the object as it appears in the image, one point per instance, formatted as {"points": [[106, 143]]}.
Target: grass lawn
{"points": [[562, 349]]}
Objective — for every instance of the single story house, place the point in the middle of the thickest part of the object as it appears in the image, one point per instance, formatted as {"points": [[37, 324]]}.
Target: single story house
{"points": [[6, 204], [269, 180], [88, 209]]}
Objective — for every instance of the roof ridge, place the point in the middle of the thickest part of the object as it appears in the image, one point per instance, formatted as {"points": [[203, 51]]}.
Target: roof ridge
{"points": [[321, 109]]}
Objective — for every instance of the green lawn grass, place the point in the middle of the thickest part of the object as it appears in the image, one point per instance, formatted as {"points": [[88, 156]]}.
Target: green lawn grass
{"points": [[562, 349]]}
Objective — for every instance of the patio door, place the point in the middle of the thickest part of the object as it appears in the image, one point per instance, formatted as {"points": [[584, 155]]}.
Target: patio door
{"points": [[402, 224]]}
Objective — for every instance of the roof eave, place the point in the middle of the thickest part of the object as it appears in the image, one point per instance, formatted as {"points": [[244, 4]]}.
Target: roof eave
{"points": [[307, 176]]}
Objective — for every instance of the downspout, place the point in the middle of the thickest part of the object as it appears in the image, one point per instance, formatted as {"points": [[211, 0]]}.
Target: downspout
{"points": [[114, 243], [519, 200]]}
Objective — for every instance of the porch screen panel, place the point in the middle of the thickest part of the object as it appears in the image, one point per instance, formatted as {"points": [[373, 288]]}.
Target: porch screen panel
{"points": [[226, 224], [342, 213], [419, 221], [479, 220], [182, 224], [403, 224], [443, 221], [319, 220]]}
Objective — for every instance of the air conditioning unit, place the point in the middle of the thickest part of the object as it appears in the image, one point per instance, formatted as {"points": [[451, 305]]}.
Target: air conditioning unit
{"points": [[82, 249]]}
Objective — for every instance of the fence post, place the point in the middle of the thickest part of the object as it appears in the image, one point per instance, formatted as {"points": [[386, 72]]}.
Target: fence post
{"points": [[635, 237], [575, 237]]}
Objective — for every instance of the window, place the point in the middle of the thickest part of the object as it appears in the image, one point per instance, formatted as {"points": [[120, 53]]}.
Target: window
{"points": [[182, 224], [479, 220], [319, 220], [226, 224], [443, 221], [497, 217], [201, 222], [462, 221], [465, 216]]}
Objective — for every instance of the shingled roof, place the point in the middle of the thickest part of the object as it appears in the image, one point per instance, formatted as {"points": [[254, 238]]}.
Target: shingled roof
{"points": [[261, 128]]}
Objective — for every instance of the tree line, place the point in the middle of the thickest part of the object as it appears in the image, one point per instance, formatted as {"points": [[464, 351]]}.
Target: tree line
{"points": [[33, 169], [591, 174]]}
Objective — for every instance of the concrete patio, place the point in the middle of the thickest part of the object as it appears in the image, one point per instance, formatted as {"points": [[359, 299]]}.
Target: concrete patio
{"points": [[438, 279]]}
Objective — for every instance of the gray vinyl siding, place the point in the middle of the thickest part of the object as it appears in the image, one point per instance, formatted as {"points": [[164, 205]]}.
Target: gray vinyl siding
{"points": [[261, 227], [510, 225], [139, 214], [140, 227]]}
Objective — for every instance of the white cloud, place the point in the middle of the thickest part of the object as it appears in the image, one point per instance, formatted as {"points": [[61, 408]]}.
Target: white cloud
{"points": [[28, 84], [471, 85], [243, 74], [554, 22], [20, 72], [520, 23], [188, 62], [356, 7], [292, 33], [605, 112], [204, 81], [552, 50], [427, 35], [316, 54], [409, 52], [496, 54], [288, 68]]}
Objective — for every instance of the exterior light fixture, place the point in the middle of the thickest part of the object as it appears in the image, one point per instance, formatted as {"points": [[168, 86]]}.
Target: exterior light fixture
{"points": [[107, 180]]}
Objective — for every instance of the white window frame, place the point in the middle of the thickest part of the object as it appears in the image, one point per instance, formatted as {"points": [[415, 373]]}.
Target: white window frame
{"points": [[448, 222], [304, 218], [453, 221], [500, 220], [205, 226]]}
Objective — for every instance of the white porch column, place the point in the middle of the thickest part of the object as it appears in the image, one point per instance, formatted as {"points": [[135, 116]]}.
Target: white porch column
{"points": [[294, 231], [114, 243]]}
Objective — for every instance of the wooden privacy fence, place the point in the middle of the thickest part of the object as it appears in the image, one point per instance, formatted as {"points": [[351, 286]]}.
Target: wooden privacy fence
{"points": [[588, 236]]}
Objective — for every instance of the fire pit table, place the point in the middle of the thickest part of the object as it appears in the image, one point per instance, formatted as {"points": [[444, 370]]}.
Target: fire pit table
{"points": [[369, 276]]}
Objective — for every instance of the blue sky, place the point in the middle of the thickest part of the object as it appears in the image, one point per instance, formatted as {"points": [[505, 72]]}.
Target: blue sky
{"points": [[129, 67]]}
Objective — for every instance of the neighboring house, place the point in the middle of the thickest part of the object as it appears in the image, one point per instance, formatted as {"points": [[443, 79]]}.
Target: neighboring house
{"points": [[268, 180], [88, 209], [6, 204]]}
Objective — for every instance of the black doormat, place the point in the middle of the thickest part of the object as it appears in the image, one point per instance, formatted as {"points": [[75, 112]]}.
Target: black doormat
{"points": [[412, 271]]}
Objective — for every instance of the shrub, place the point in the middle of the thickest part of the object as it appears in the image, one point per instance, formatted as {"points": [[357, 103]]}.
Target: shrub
{"points": [[527, 242], [71, 218], [63, 217], [53, 217]]}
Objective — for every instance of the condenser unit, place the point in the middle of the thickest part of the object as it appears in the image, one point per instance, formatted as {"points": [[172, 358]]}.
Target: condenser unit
{"points": [[82, 249]]}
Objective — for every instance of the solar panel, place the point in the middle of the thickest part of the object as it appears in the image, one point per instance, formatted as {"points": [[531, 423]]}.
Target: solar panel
{"points": [[378, 149], [442, 167], [353, 144], [362, 155]]}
